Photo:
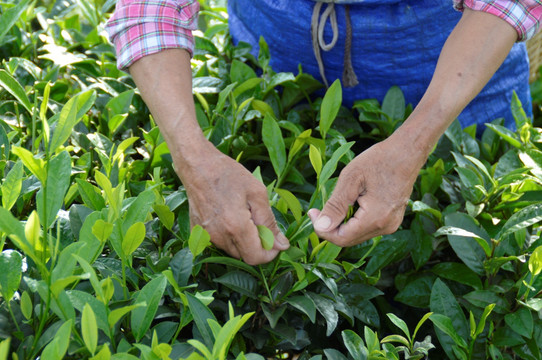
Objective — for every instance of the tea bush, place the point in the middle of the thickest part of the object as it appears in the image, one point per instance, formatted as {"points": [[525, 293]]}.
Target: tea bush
{"points": [[98, 259]]}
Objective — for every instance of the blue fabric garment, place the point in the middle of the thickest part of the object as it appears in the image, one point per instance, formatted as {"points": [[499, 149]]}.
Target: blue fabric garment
{"points": [[395, 42]]}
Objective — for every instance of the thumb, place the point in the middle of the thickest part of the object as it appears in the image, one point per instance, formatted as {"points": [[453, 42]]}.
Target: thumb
{"points": [[335, 210]]}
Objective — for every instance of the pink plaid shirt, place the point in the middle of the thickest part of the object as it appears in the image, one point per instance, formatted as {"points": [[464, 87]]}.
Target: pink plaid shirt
{"points": [[143, 27]]}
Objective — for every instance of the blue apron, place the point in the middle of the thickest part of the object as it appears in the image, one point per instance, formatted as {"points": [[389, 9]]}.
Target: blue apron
{"points": [[394, 42]]}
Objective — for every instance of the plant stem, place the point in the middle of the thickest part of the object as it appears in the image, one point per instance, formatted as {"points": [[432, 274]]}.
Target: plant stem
{"points": [[8, 303], [266, 285]]}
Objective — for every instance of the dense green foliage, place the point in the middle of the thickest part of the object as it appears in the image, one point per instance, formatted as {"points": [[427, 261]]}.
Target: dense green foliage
{"points": [[98, 259]]}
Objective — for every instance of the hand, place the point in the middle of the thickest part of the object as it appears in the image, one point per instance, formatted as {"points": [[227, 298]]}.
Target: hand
{"points": [[228, 201], [380, 179]]}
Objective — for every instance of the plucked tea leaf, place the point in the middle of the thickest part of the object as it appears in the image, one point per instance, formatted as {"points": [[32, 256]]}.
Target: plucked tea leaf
{"points": [[266, 237]]}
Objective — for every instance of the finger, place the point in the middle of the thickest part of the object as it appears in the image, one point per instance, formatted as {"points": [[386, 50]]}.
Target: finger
{"points": [[262, 215], [249, 245], [345, 194]]}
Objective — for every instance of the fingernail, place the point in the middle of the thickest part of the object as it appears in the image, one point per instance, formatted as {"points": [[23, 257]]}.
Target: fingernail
{"points": [[322, 223]]}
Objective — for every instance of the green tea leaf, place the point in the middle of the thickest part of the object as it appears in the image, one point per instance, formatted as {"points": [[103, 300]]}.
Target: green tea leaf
{"points": [[527, 216], [11, 85], [36, 166], [201, 314], [102, 230], [89, 329], [57, 348], [141, 318], [458, 272], [11, 263], [394, 103], [399, 323], [199, 240], [272, 138], [316, 159], [535, 261], [167, 217], [444, 323], [241, 282], [483, 298], [266, 237], [304, 304], [354, 344], [331, 165], [11, 16], [26, 306], [4, 349], [11, 187], [133, 238], [292, 201], [330, 107], [117, 314], [508, 135]]}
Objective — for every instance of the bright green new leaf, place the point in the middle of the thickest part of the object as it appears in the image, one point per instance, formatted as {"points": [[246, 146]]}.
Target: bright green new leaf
{"points": [[9, 83], [102, 230], [117, 314], [103, 354], [272, 138], [330, 107], [316, 159], [354, 344], [263, 108], [400, 324], [133, 238], [36, 166], [331, 164], [32, 231], [266, 237], [4, 349], [481, 325], [199, 240], [61, 284], [70, 115], [396, 338], [44, 106], [89, 329], [445, 324], [11, 263], [15, 230], [108, 289], [11, 187], [166, 216], [57, 348], [292, 201], [535, 261], [26, 305]]}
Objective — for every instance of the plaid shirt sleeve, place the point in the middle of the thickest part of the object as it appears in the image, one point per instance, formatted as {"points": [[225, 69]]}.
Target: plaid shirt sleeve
{"points": [[523, 15], [143, 27]]}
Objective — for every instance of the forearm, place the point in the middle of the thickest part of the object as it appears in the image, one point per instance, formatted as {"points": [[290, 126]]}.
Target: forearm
{"points": [[165, 82], [471, 55]]}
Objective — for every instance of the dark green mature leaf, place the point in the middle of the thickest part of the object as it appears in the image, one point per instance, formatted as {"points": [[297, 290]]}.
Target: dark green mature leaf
{"points": [[354, 344], [532, 158], [241, 282], [327, 309], [9, 83], [521, 322], [330, 107], [50, 198], [181, 266], [444, 323], [201, 314], [394, 103], [443, 302], [304, 304], [525, 217], [141, 318], [458, 272], [231, 262], [467, 249], [482, 298], [240, 72], [417, 292], [508, 135], [272, 138], [11, 263]]}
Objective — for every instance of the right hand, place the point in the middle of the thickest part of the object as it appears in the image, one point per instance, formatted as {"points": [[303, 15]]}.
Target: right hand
{"points": [[228, 202]]}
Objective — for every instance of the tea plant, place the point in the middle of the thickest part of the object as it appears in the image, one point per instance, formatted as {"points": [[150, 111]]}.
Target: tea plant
{"points": [[98, 259]]}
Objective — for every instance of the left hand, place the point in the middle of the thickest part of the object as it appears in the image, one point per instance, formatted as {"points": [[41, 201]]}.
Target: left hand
{"points": [[380, 179]]}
